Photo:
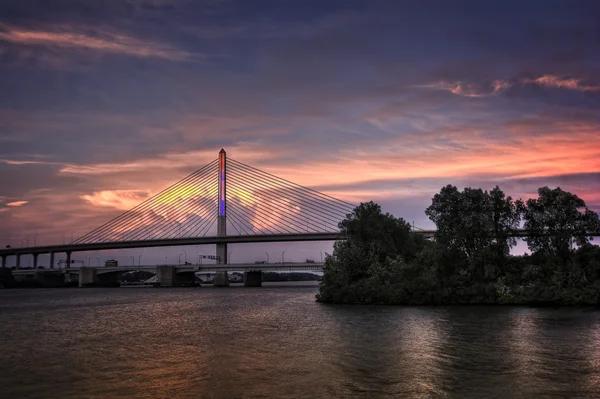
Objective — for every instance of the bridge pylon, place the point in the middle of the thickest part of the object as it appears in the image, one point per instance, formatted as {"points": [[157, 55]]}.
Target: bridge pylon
{"points": [[222, 205]]}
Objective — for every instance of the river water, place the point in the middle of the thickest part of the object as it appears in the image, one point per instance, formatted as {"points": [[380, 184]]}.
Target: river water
{"points": [[277, 342]]}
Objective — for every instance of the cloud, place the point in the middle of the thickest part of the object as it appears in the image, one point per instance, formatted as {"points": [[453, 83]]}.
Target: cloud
{"points": [[119, 199], [23, 162], [470, 89], [93, 40], [16, 203], [554, 81]]}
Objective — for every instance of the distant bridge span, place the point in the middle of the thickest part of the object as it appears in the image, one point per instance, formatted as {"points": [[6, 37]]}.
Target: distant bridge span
{"points": [[232, 267]]}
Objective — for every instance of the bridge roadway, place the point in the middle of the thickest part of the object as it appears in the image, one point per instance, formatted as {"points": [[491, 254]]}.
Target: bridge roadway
{"points": [[229, 239], [231, 267]]}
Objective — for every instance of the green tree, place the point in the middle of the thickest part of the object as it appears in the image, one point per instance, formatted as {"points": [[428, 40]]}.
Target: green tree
{"points": [[556, 220]]}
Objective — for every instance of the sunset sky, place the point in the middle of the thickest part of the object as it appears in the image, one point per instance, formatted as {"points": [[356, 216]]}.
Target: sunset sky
{"points": [[105, 103]]}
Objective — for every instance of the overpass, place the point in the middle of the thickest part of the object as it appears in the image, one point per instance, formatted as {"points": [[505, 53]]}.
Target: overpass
{"points": [[166, 275], [233, 267]]}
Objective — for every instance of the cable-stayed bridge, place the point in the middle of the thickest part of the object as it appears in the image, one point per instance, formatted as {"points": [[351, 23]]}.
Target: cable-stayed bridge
{"points": [[222, 203]]}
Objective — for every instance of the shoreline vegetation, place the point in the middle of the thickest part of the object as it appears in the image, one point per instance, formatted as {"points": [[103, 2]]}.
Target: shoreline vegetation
{"points": [[381, 261]]}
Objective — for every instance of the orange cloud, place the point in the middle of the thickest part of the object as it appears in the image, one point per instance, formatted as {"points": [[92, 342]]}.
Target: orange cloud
{"points": [[16, 203], [119, 199], [103, 41]]}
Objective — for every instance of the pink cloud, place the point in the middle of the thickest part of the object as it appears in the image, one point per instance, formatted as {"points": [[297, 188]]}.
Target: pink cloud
{"points": [[470, 90], [67, 37], [562, 83]]}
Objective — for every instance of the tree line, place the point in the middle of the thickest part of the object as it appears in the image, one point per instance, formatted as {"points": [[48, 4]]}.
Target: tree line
{"points": [[380, 260]]}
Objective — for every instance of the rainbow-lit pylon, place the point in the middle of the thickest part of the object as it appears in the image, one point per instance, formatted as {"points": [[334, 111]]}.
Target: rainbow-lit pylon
{"points": [[222, 201]]}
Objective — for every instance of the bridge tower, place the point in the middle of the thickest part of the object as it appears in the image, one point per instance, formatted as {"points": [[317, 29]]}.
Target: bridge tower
{"points": [[222, 205]]}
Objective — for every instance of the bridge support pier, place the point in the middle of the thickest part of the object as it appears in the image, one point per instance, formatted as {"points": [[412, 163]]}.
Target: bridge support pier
{"points": [[18, 262], [253, 278], [221, 279], [88, 276], [51, 261], [166, 276], [68, 260], [35, 259], [3, 261], [222, 253]]}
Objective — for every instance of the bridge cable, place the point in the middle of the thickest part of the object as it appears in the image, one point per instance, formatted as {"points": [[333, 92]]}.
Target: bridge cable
{"points": [[243, 165], [308, 206], [166, 205], [145, 203], [256, 207], [248, 216], [199, 187], [298, 220], [244, 214], [166, 193], [186, 210], [297, 191], [298, 194]]}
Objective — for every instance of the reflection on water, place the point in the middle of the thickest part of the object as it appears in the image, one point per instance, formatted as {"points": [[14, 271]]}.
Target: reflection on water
{"points": [[277, 342]]}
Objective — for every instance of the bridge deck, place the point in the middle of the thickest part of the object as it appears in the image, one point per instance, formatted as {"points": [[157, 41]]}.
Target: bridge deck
{"points": [[317, 266], [230, 239], [171, 242]]}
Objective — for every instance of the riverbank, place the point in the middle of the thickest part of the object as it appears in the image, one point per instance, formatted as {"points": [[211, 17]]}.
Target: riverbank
{"points": [[492, 296]]}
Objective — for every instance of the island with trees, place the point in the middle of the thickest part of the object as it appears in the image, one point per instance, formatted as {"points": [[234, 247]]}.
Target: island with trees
{"points": [[380, 260]]}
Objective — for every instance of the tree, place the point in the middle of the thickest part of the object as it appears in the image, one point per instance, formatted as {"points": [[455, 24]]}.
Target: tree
{"points": [[457, 217], [506, 216], [379, 233], [373, 244], [475, 225], [556, 220]]}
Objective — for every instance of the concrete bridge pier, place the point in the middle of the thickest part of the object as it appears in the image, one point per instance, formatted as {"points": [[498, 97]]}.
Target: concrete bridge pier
{"points": [[166, 276], [3, 261], [18, 263], [35, 259], [221, 279], [88, 276], [51, 261], [222, 253], [68, 260], [253, 278]]}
